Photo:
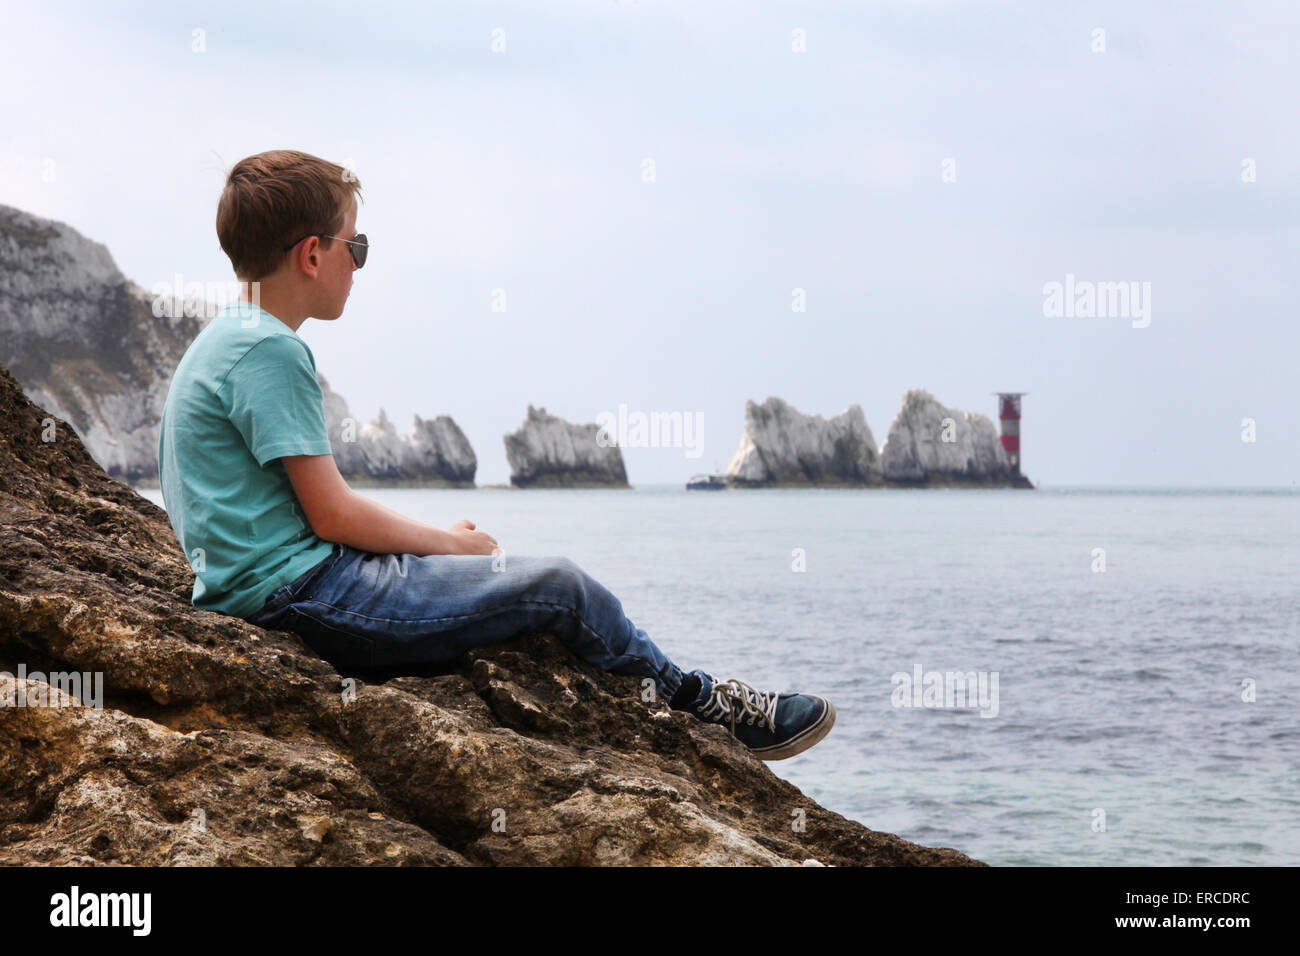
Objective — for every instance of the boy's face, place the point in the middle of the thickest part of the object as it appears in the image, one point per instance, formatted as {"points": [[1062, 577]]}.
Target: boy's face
{"points": [[336, 270]]}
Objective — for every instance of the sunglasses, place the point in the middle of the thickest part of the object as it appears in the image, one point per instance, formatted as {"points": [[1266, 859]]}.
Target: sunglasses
{"points": [[358, 246]]}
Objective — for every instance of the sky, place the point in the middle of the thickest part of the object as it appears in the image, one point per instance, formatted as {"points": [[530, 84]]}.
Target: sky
{"points": [[688, 205]]}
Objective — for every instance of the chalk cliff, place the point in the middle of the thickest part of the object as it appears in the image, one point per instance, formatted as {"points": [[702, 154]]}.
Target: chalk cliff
{"points": [[782, 446], [221, 743], [84, 341], [932, 445], [548, 452], [87, 346]]}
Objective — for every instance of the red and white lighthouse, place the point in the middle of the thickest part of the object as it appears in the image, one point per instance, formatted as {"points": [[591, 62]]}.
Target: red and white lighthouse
{"points": [[1009, 418]]}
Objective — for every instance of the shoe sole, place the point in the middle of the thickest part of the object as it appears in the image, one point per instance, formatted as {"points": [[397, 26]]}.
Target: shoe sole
{"points": [[804, 739]]}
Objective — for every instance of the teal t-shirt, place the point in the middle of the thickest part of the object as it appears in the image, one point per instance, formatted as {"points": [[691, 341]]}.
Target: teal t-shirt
{"points": [[244, 395]]}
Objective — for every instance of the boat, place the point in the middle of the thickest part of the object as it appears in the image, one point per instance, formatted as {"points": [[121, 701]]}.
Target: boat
{"points": [[707, 483]]}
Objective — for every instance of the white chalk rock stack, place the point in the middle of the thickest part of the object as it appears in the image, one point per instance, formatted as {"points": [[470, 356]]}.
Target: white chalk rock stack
{"points": [[549, 452], [929, 441], [783, 446]]}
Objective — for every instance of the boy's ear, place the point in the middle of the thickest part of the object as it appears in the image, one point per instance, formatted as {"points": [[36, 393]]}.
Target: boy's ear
{"points": [[306, 256]]}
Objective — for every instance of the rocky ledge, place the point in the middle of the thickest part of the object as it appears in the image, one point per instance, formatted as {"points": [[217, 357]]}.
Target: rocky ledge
{"points": [[222, 743], [548, 452]]}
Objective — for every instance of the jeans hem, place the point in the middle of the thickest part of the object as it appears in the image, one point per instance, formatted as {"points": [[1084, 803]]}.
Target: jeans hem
{"points": [[669, 681]]}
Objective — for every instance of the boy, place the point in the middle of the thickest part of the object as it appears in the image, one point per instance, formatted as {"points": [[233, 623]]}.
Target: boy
{"points": [[276, 536]]}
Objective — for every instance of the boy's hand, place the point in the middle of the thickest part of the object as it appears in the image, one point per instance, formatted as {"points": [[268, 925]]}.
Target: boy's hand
{"points": [[470, 540]]}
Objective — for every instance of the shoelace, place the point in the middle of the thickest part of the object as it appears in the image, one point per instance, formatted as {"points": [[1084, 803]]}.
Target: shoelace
{"points": [[735, 699]]}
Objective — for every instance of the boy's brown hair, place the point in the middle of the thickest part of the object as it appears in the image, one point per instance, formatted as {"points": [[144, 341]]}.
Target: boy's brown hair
{"points": [[274, 198]]}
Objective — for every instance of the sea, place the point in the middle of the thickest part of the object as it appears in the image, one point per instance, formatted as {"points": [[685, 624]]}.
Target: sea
{"points": [[1064, 676]]}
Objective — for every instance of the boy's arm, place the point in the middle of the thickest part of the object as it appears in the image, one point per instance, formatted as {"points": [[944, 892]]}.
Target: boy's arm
{"points": [[273, 398], [337, 513]]}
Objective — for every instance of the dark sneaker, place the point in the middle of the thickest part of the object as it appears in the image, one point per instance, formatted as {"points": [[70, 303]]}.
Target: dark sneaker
{"points": [[773, 726]]}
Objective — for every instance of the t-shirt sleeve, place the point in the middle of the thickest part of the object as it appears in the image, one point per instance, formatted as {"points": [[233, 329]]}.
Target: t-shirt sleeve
{"points": [[273, 398]]}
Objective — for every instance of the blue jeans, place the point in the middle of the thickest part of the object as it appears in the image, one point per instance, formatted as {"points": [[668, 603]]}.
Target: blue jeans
{"points": [[369, 610]]}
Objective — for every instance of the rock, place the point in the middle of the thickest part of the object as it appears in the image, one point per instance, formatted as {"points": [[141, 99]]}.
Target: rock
{"points": [[932, 445], [435, 455], [219, 742], [783, 447], [548, 452]]}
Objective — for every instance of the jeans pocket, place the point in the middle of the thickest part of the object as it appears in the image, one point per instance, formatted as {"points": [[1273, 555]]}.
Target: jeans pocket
{"points": [[304, 588], [272, 609], [278, 599], [342, 648]]}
